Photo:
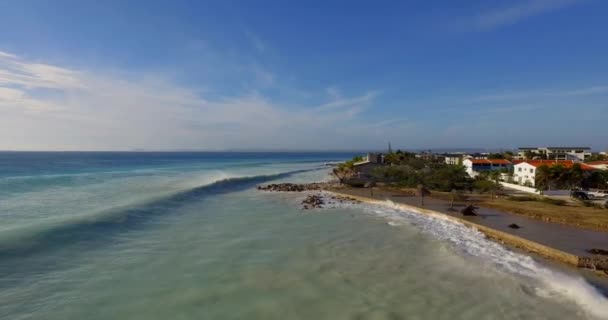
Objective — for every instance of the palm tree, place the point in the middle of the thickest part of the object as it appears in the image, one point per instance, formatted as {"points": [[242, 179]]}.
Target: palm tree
{"points": [[543, 177], [575, 176], [559, 174], [423, 191]]}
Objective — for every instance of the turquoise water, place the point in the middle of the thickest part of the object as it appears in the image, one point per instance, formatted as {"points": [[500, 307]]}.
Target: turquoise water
{"points": [[187, 236]]}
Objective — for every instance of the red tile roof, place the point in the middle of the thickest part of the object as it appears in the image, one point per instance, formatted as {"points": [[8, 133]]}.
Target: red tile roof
{"points": [[565, 163], [492, 161]]}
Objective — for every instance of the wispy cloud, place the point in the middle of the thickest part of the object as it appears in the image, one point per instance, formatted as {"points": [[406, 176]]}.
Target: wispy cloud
{"points": [[93, 110], [35, 75], [519, 10], [516, 95], [339, 102]]}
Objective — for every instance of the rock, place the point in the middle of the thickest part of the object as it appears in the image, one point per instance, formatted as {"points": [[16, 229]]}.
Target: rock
{"points": [[598, 251], [294, 187], [595, 262], [313, 201], [469, 211], [514, 226]]}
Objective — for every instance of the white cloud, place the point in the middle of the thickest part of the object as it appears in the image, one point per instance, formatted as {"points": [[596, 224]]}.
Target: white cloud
{"points": [[96, 110], [520, 11], [15, 71], [516, 95]]}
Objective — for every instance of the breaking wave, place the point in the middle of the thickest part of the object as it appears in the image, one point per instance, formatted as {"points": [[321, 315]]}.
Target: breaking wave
{"points": [[95, 225]]}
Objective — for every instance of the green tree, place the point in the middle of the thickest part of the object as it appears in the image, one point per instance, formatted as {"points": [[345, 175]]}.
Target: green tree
{"points": [[486, 186], [596, 157], [529, 154], [543, 177], [495, 175], [392, 158], [559, 175], [575, 176]]}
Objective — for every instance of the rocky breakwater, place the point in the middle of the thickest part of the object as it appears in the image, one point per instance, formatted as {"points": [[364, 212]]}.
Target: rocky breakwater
{"points": [[294, 187], [317, 201], [313, 201], [599, 260]]}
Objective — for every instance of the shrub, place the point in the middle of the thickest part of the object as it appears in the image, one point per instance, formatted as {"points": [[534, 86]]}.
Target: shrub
{"points": [[522, 198], [591, 204], [557, 202]]}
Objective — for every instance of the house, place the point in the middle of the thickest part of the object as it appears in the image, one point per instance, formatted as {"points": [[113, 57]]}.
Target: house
{"points": [[452, 159], [524, 172], [476, 155], [475, 166], [371, 161], [426, 155], [557, 153]]}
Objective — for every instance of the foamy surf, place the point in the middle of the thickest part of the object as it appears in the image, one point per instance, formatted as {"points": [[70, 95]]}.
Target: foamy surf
{"points": [[536, 278]]}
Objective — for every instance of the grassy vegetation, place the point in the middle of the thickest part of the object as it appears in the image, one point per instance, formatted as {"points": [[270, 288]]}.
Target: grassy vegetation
{"points": [[557, 202], [570, 214], [542, 208]]}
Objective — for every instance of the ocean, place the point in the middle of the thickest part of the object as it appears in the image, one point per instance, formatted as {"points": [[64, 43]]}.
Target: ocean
{"points": [[144, 235]]}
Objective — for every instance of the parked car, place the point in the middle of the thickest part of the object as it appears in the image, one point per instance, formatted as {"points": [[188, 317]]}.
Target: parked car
{"points": [[579, 195], [600, 194]]}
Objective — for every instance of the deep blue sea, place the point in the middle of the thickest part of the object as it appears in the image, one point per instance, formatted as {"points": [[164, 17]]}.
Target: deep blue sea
{"points": [[185, 235]]}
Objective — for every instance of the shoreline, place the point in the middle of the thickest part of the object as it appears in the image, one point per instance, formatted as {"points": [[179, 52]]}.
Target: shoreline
{"points": [[565, 244], [596, 263]]}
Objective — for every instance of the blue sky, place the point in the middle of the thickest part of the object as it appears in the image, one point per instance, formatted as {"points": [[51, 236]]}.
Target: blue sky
{"points": [[167, 75]]}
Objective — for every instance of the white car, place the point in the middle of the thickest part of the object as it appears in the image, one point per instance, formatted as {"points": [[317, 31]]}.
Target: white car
{"points": [[601, 194]]}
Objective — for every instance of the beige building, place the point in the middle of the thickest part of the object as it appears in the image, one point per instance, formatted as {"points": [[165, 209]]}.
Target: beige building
{"points": [[557, 153]]}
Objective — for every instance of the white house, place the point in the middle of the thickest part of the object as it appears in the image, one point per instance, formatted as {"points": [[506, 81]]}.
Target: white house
{"points": [[558, 153], [476, 166], [524, 173], [370, 162], [452, 159]]}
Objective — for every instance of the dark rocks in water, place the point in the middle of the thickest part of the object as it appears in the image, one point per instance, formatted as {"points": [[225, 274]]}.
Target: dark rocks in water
{"points": [[596, 262], [469, 210], [313, 201], [598, 251], [514, 226], [293, 187]]}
